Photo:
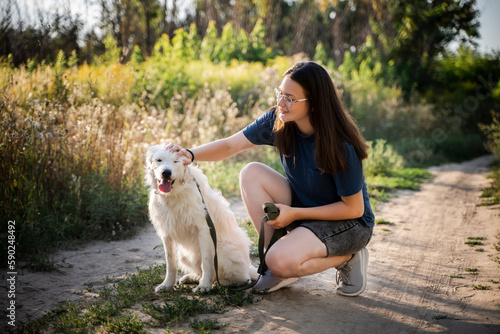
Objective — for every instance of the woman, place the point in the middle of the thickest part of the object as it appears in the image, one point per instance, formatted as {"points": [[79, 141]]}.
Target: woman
{"points": [[323, 200]]}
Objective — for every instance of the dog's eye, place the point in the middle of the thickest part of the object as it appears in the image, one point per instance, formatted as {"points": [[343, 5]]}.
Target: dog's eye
{"points": [[158, 160], [177, 161]]}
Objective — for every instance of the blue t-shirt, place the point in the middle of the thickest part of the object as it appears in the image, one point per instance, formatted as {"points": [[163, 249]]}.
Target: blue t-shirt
{"points": [[311, 186]]}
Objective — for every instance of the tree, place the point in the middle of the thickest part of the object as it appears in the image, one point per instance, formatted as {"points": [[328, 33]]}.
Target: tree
{"points": [[413, 33], [150, 11]]}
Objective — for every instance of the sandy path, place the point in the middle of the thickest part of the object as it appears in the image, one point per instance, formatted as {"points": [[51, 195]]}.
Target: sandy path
{"points": [[409, 285]]}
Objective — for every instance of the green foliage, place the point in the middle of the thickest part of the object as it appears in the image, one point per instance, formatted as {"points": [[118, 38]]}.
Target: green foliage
{"points": [[481, 287], [181, 309], [209, 48], [472, 271], [419, 32], [257, 48], [162, 49], [73, 59], [384, 170], [205, 325], [464, 88], [137, 56], [473, 243], [320, 54], [59, 67], [456, 276], [491, 194], [185, 45], [127, 324], [382, 159], [492, 132], [112, 53], [228, 48], [381, 221]]}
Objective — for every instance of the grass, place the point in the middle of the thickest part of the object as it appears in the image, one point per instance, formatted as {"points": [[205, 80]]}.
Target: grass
{"points": [[491, 195], [205, 325], [381, 221], [442, 317], [180, 308], [381, 186], [496, 246], [456, 276], [473, 243], [110, 311], [472, 271], [481, 287]]}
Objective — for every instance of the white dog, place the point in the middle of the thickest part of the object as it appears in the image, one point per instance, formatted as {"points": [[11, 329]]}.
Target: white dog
{"points": [[178, 215]]}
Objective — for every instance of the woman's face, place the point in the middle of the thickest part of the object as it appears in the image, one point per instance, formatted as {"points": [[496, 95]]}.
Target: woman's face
{"points": [[298, 111]]}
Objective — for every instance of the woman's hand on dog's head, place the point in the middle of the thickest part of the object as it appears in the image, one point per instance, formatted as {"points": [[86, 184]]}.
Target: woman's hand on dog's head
{"points": [[180, 152]]}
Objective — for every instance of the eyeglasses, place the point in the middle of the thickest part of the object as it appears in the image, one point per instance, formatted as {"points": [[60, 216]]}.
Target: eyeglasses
{"points": [[286, 99]]}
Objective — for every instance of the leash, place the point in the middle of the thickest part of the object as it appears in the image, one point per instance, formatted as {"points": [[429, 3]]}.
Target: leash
{"points": [[271, 213], [213, 233]]}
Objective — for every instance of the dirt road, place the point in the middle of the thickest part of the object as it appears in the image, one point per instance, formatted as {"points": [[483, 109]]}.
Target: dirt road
{"points": [[410, 285]]}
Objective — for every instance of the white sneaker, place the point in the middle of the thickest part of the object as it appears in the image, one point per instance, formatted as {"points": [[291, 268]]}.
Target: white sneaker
{"points": [[351, 275], [269, 283]]}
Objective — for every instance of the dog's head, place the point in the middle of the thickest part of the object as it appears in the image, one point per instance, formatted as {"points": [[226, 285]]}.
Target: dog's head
{"points": [[164, 168]]}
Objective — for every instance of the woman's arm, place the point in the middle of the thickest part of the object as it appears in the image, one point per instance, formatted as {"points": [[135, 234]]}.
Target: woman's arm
{"points": [[349, 207], [216, 150]]}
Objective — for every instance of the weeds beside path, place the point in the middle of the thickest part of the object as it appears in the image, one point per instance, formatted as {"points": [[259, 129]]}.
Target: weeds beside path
{"points": [[423, 273]]}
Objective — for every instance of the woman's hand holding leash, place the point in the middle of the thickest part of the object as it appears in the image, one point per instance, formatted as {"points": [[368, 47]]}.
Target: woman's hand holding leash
{"points": [[285, 218]]}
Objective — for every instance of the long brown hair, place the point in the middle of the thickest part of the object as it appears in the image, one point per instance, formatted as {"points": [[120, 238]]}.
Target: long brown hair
{"points": [[332, 124]]}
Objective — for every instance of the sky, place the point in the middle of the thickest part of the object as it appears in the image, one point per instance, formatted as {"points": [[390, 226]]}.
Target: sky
{"points": [[489, 17], [490, 25]]}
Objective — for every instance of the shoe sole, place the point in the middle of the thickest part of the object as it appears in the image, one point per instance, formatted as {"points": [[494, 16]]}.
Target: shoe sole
{"points": [[364, 258], [283, 283]]}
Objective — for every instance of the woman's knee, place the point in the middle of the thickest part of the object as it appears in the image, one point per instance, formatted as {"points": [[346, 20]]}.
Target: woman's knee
{"points": [[249, 173], [256, 177], [280, 264]]}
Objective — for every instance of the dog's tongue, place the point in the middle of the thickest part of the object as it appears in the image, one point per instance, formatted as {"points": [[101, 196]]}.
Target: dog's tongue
{"points": [[165, 186]]}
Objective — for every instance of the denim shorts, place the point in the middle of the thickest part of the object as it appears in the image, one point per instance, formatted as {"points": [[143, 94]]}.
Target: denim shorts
{"points": [[341, 237]]}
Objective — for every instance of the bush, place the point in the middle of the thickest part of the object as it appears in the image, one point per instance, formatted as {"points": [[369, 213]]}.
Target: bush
{"points": [[492, 132], [382, 159]]}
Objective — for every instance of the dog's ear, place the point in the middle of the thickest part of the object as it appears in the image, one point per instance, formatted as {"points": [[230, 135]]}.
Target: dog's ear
{"points": [[149, 176], [151, 151]]}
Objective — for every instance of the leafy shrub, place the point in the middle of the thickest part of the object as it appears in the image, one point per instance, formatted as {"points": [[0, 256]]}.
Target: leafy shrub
{"points": [[382, 159], [492, 132]]}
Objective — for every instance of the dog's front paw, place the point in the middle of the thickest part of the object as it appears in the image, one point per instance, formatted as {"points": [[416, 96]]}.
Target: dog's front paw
{"points": [[202, 288], [164, 286]]}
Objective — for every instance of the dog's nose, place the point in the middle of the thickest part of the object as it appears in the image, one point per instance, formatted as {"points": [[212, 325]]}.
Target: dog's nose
{"points": [[166, 173]]}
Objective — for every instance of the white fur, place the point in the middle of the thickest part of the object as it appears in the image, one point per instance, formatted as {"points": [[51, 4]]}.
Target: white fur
{"points": [[179, 219]]}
